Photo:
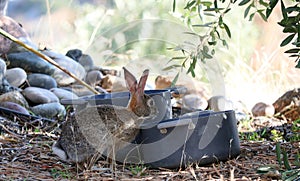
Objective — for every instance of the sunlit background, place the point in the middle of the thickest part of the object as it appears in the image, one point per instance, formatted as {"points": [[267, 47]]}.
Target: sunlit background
{"points": [[138, 34]]}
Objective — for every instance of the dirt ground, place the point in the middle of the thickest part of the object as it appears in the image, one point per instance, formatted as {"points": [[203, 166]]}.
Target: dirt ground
{"points": [[26, 155]]}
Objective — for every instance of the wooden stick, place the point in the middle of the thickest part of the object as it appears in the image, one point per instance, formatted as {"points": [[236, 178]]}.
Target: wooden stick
{"points": [[48, 59]]}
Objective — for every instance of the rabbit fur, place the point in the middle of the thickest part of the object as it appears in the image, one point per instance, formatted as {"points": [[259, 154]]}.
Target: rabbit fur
{"points": [[100, 128]]}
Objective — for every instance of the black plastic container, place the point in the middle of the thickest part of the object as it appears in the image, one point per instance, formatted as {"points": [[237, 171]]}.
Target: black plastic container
{"points": [[162, 99], [201, 137], [204, 138]]}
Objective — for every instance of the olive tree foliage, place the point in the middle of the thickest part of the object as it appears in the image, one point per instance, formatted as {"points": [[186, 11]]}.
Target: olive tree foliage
{"points": [[211, 15]]}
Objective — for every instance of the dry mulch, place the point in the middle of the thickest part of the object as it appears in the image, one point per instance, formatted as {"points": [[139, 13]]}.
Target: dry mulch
{"points": [[26, 155]]}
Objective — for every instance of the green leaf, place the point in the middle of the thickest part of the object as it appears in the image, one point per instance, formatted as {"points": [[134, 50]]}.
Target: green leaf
{"points": [[171, 67], [244, 2], [247, 10], [174, 5], [206, 3], [291, 9], [175, 80], [214, 9], [298, 64], [220, 22], [227, 30], [278, 153], [216, 3], [287, 40], [294, 50], [262, 15], [283, 10], [286, 160], [190, 4], [272, 5], [289, 29], [227, 10], [251, 16]]}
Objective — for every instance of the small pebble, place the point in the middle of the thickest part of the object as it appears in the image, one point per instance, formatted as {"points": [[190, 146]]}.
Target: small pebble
{"points": [[14, 106], [41, 80], [79, 90], [2, 68], [93, 78], [29, 62], [14, 28], [220, 103], [38, 95], [69, 64], [87, 62], [16, 76], [263, 109], [63, 94], [194, 101], [75, 54], [49, 110], [16, 97]]}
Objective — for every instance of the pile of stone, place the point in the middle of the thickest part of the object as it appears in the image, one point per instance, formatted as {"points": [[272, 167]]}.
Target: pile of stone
{"points": [[28, 83]]}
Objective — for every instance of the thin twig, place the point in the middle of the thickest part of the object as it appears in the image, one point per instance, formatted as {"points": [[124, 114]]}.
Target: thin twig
{"points": [[48, 59]]}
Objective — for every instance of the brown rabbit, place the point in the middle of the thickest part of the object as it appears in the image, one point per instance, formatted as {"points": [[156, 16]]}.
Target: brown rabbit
{"points": [[95, 129]]}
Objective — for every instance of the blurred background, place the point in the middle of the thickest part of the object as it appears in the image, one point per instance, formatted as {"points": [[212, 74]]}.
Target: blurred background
{"points": [[119, 33]]}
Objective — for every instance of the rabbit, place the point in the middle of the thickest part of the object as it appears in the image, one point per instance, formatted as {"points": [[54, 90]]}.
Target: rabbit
{"points": [[96, 129]]}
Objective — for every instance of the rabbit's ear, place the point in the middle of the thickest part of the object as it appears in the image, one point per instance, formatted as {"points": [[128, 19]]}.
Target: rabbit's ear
{"points": [[142, 82], [131, 81]]}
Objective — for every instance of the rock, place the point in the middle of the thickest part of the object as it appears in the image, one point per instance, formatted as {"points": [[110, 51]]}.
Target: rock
{"points": [[12, 27], [263, 109], [63, 94], [3, 7], [113, 83], [75, 54], [219, 103], [162, 82], [67, 63], [2, 68], [30, 63], [192, 86], [41, 80], [16, 76], [4, 85], [79, 90], [38, 95], [15, 107], [49, 110], [194, 102], [16, 97], [93, 78], [288, 105], [87, 62]]}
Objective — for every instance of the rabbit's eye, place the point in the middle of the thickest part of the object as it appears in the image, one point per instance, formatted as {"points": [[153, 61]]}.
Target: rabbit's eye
{"points": [[150, 102]]}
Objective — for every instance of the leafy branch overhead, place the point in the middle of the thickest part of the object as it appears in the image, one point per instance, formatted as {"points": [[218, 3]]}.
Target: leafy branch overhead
{"points": [[207, 21]]}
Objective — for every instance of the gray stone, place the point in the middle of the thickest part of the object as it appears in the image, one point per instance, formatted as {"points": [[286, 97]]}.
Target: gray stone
{"points": [[14, 106], [79, 90], [75, 54], [2, 68], [12, 27], [41, 80], [194, 101], [63, 94], [94, 78], [29, 62], [16, 76], [87, 62], [67, 63], [49, 110], [38, 95], [4, 85], [16, 97]]}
